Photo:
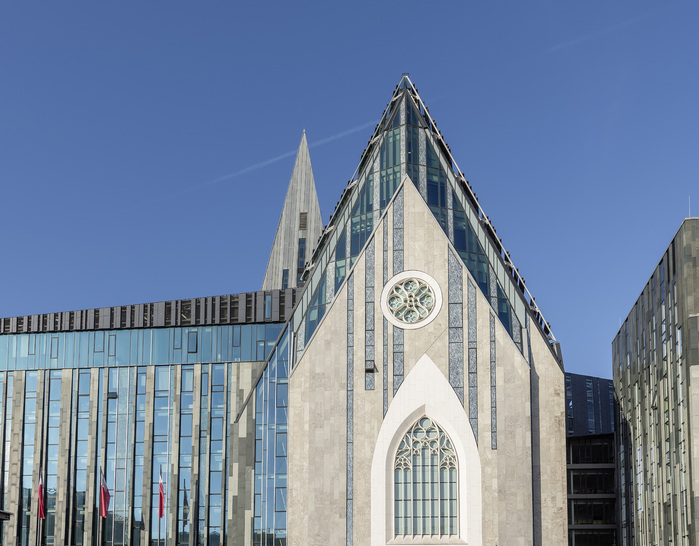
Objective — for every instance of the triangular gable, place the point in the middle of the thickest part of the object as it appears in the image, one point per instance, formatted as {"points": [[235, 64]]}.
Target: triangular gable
{"points": [[407, 142]]}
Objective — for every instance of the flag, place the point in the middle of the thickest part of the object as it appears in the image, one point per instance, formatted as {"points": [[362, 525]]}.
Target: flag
{"points": [[161, 508], [104, 495], [42, 508], [185, 508]]}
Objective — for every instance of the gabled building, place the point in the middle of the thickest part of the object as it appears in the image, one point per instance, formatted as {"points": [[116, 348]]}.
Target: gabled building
{"points": [[409, 391], [425, 391]]}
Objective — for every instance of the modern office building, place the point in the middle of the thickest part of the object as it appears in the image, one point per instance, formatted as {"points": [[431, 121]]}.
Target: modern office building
{"points": [[591, 461], [656, 354], [393, 383]]}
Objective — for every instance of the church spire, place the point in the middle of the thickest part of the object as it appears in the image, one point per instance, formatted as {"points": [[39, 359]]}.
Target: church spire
{"points": [[300, 226]]}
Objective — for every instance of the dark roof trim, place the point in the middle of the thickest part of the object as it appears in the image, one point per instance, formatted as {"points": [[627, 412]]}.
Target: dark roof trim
{"points": [[213, 310]]}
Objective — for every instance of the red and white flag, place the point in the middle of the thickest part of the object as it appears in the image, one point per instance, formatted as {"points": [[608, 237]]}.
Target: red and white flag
{"points": [[161, 508], [104, 495], [42, 508]]}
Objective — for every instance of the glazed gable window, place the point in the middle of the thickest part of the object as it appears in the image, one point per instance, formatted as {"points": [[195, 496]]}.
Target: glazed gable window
{"points": [[425, 482]]}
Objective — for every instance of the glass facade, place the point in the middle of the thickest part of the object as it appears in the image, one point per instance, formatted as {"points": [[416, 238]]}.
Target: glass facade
{"points": [[271, 419], [28, 440], [201, 526], [651, 378], [107, 399], [185, 453], [51, 457], [150, 346]]}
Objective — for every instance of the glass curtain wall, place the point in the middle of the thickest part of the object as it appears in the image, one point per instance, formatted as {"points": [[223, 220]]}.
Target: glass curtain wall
{"points": [[217, 433], [139, 458], [112, 433], [81, 456], [202, 487], [28, 436], [150, 346], [161, 427], [271, 421], [51, 458], [185, 454], [119, 453]]}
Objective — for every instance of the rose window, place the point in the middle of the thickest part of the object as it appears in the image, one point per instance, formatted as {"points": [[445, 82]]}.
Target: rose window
{"points": [[411, 300]]}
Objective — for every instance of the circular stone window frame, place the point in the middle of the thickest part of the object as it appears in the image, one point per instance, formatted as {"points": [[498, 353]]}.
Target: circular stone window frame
{"points": [[429, 281]]}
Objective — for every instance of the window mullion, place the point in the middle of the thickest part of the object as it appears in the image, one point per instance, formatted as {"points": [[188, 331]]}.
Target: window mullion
{"points": [[425, 483]]}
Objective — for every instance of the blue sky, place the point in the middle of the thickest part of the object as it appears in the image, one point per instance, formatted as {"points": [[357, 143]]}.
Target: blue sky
{"points": [[138, 141]]}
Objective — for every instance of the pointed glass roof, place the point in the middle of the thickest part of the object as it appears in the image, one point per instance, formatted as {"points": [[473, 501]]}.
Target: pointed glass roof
{"points": [[406, 141]]}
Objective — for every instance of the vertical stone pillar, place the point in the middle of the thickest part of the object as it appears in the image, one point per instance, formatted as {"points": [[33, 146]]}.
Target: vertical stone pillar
{"points": [[15, 476], [241, 463], [38, 457], [148, 458], [62, 479], [91, 511], [194, 498], [224, 474]]}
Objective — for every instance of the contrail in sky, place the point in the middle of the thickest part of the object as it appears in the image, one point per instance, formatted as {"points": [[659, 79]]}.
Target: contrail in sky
{"points": [[340, 135], [263, 164], [601, 32]]}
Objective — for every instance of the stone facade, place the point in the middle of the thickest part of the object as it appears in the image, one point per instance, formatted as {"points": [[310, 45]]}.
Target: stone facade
{"points": [[496, 483]]}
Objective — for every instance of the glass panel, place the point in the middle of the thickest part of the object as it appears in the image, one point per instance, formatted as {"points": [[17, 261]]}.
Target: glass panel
{"points": [[187, 379], [162, 378], [268, 306], [192, 342]]}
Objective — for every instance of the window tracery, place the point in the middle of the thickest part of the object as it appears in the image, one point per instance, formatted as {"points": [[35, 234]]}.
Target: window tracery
{"points": [[411, 300], [425, 484]]}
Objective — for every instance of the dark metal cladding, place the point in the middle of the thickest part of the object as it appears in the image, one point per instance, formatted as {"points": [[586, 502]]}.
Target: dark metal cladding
{"points": [[229, 309]]}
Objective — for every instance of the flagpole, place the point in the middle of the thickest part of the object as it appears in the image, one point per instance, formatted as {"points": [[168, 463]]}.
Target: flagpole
{"points": [[40, 525], [99, 513], [44, 422], [159, 486], [38, 522], [36, 533], [40, 509], [195, 505]]}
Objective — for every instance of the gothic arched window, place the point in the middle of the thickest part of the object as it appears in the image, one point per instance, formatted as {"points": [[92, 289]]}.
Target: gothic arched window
{"points": [[425, 482]]}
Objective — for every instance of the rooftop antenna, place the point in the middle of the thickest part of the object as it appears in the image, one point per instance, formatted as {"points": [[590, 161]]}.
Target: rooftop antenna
{"points": [[690, 205]]}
